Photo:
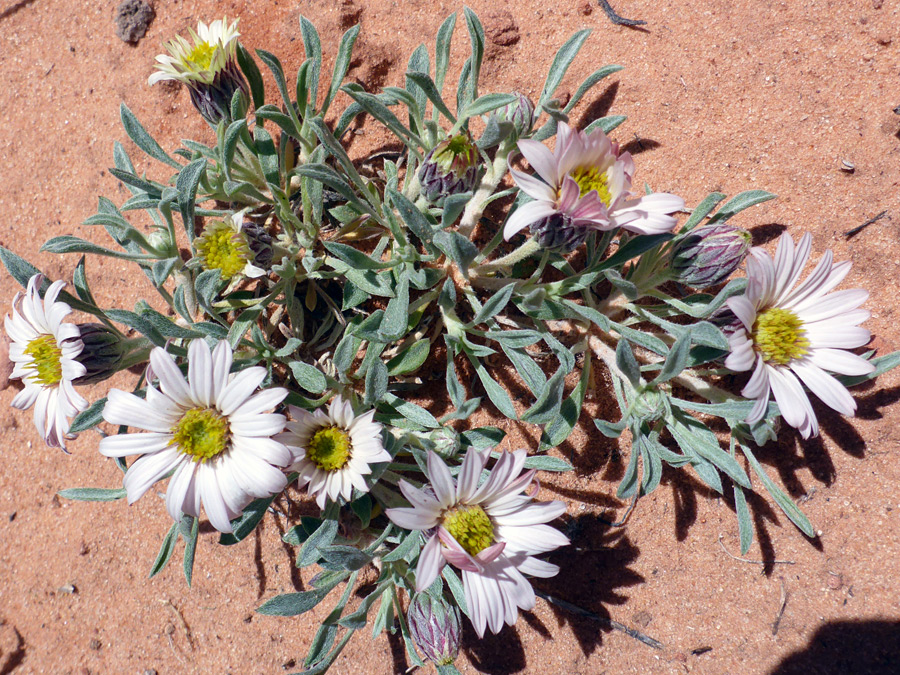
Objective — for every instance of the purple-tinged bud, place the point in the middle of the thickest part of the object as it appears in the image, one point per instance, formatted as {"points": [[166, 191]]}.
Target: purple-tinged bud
{"points": [[520, 113], [558, 232], [451, 167], [708, 255], [435, 627]]}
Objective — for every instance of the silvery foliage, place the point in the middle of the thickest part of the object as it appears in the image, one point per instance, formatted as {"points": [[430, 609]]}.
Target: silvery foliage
{"points": [[369, 282]]}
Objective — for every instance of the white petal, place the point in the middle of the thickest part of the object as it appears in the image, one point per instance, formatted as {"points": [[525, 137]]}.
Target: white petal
{"points": [[148, 469], [171, 381], [211, 497], [264, 400], [541, 159], [267, 424], [177, 492], [793, 402], [538, 568], [829, 390], [841, 362], [467, 481], [240, 389], [412, 519], [123, 445], [221, 367], [128, 409], [200, 373], [535, 513], [533, 187]]}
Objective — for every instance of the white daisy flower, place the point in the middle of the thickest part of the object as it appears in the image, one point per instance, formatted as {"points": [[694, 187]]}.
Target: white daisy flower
{"points": [[490, 532], [333, 451], [211, 433], [586, 185], [225, 246], [209, 68], [214, 47], [44, 351], [791, 334]]}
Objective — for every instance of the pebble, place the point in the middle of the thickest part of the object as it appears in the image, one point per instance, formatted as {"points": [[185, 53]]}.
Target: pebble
{"points": [[500, 28], [133, 17]]}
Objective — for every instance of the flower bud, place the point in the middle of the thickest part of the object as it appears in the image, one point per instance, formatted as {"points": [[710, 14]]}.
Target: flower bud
{"points": [[435, 627], [450, 168], [105, 353], [708, 255], [558, 232], [445, 442], [213, 100], [521, 114], [651, 405]]}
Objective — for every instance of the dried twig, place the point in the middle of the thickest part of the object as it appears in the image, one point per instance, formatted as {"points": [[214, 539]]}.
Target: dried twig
{"points": [[860, 228], [781, 607], [754, 562], [615, 18], [615, 625], [621, 523], [180, 617]]}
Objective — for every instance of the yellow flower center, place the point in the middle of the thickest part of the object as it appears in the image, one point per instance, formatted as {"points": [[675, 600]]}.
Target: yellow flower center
{"points": [[329, 449], [201, 433], [470, 526], [46, 356], [779, 336], [201, 55], [591, 178], [220, 249]]}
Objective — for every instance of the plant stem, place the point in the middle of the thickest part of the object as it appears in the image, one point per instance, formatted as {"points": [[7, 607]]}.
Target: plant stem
{"points": [[475, 207]]}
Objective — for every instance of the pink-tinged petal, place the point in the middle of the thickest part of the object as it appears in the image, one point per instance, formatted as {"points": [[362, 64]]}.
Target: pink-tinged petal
{"points": [[411, 519], [591, 208], [441, 481], [419, 498], [568, 195], [533, 187], [789, 264], [171, 381], [200, 374], [430, 563], [525, 215], [761, 278], [456, 554], [467, 481], [541, 160], [841, 362], [793, 402], [538, 568], [831, 392], [491, 553], [123, 445], [241, 387], [759, 409], [148, 469], [221, 366]]}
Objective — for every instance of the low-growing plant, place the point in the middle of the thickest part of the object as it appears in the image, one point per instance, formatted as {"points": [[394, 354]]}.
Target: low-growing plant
{"points": [[295, 279]]}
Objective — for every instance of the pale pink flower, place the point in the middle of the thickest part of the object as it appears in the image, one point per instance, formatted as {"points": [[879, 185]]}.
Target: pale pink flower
{"points": [[587, 180], [791, 334], [490, 531]]}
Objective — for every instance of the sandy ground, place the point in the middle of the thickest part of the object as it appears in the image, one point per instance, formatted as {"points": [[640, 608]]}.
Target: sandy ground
{"points": [[720, 96]]}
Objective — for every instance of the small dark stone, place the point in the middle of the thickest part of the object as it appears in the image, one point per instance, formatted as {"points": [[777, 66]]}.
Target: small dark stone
{"points": [[95, 645], [133, 17], [501, 28], [150, 671]]}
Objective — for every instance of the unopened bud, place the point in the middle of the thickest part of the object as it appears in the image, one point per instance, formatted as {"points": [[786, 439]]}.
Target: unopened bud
{"points": [[558, 232], [708, 255], [450, 168], [435, 627], [445, 442], [520, 113], [105, 353]]}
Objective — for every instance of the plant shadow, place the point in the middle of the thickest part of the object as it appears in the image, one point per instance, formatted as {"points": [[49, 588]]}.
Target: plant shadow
{"points": [[845, 648]]}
